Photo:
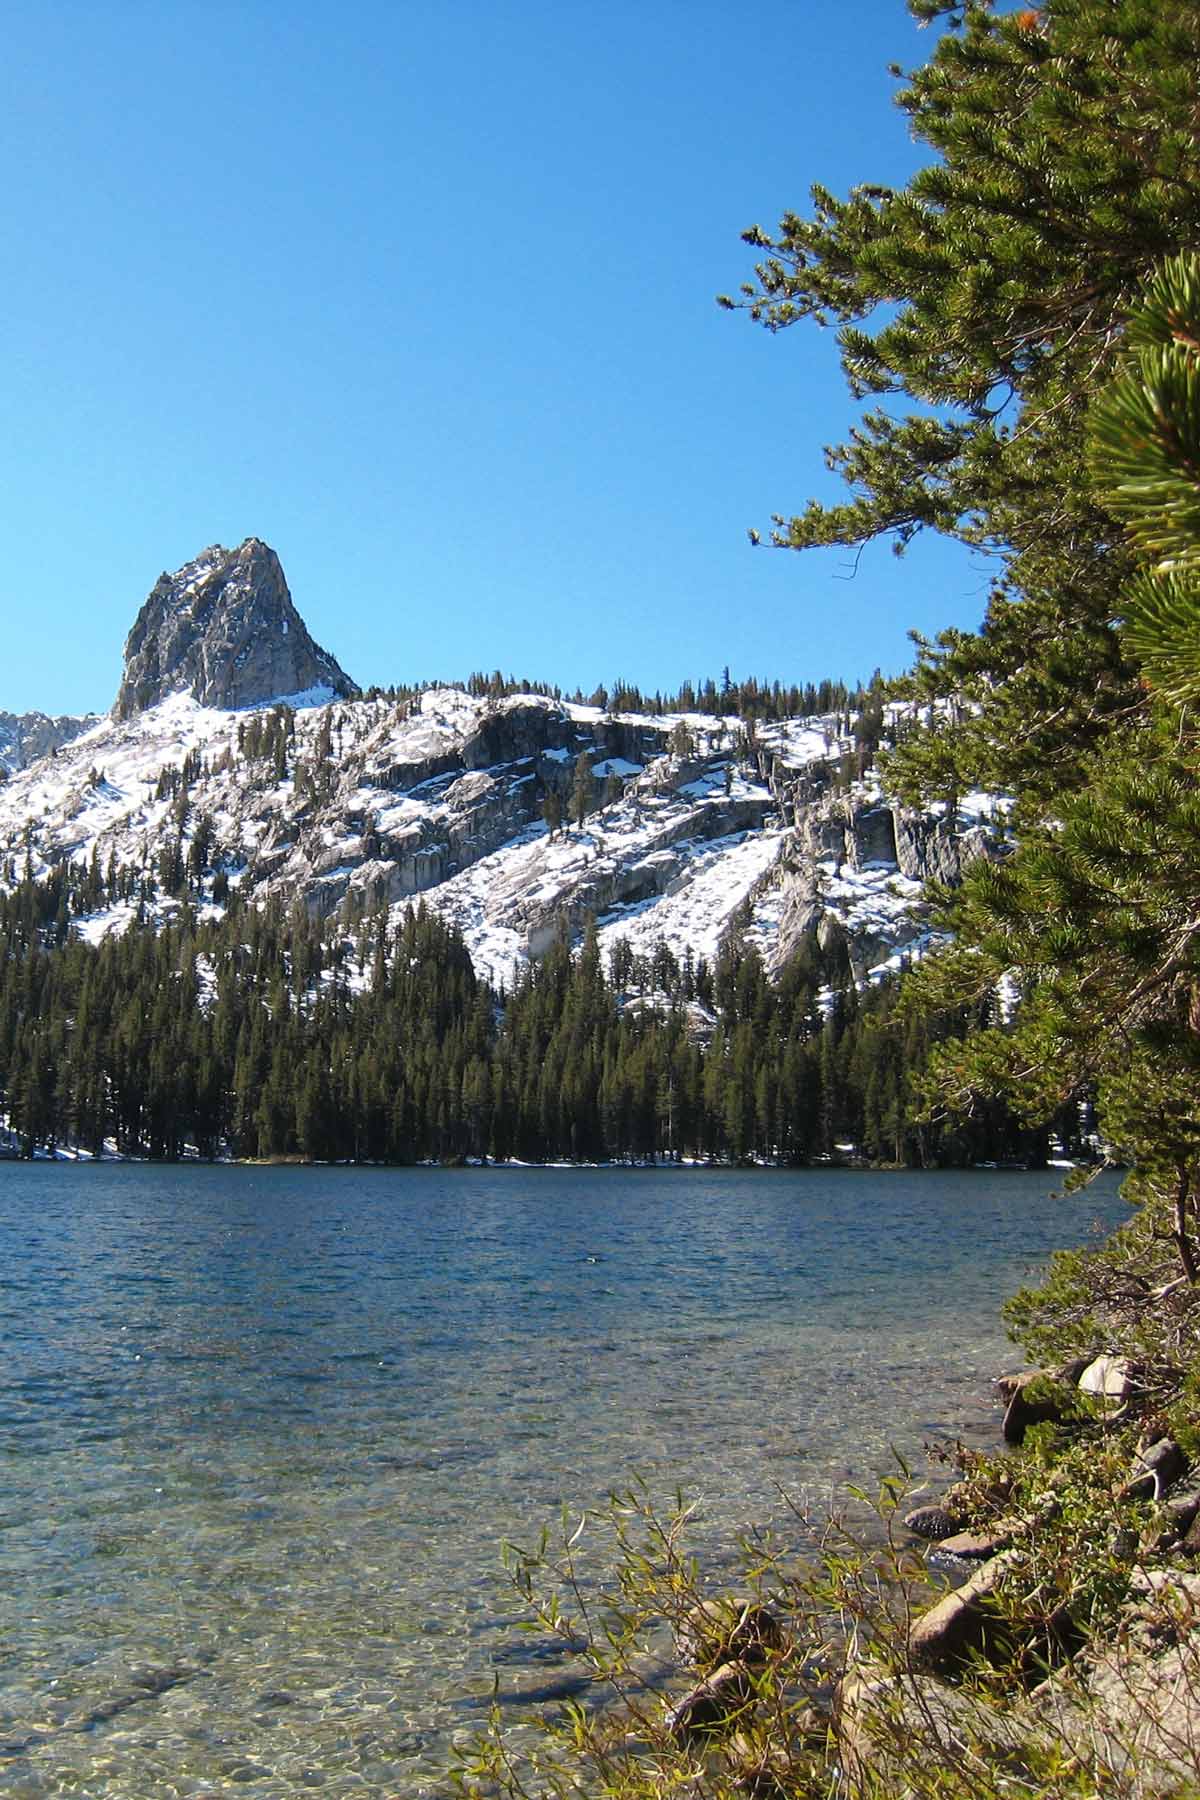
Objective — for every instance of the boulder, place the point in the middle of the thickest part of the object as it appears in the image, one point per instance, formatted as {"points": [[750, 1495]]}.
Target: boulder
{"points": [[713, 1704], [962, 1622], [1184, 1514], [1070, 1372], [1033, 1399], [976, 1545], [1007, 1385], [1155, 1469], [1109, 1380], [932, 1522], [727, 1630]]}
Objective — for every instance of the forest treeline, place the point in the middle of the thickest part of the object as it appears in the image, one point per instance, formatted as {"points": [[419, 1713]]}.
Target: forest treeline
{"points": [[749, 698], [271, 1033]]}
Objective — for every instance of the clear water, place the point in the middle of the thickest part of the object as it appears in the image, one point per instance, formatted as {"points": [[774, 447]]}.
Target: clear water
{"points": [[263, 1430]]}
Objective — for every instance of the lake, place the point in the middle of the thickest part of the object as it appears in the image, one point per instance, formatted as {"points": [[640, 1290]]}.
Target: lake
{"points": [[265, 1429]]}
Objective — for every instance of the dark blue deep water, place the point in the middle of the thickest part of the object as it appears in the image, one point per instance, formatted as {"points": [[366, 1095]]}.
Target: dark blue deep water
{"points": [[263, 1430]]}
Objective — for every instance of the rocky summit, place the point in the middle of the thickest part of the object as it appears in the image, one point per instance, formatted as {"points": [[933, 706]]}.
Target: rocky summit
{"points": [[224, 629]]}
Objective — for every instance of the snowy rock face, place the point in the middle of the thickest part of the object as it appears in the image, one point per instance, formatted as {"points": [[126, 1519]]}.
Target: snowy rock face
{"points": [[513, 818], [224, 629], [352, 804], [24, 737]]}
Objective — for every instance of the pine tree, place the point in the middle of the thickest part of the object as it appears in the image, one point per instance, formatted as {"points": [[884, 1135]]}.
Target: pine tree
{"points": [[991, 292], [1096, 913], [582, 789]]}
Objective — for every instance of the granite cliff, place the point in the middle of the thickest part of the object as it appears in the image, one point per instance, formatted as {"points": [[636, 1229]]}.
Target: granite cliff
{"points": [[224, 629], [24, 737]]}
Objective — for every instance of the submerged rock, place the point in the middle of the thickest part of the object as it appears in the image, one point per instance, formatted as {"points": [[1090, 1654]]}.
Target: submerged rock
{"points": [[713, 1704], [932, 1522], [729, 1630]]}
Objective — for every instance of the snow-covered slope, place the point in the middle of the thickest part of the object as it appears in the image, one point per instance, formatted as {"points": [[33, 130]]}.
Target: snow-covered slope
{"points": [[511, 817], [342, 805]]}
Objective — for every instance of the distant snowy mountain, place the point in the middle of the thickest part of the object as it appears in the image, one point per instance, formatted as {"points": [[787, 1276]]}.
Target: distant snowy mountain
{"points": [[24, 737], [675, 830]]}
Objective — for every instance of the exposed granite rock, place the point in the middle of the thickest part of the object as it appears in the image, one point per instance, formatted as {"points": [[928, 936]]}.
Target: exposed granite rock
{"points": [[1125, 1712], [928, 849], [1155, 1468], [1133, 1700], [879, 1716], [894, 847], [224, 629], [24, 737], [382, 801], [962, 1622]]}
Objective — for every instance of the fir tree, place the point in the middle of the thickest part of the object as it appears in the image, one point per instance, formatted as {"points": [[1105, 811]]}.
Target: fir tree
{"points": [[991, 292]]}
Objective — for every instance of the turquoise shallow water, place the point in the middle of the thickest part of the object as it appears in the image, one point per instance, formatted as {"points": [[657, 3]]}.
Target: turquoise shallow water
{"points": [[264, 1429]]}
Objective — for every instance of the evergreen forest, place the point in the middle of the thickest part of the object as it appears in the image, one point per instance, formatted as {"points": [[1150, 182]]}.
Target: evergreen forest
{"points": [[269, 1033]]}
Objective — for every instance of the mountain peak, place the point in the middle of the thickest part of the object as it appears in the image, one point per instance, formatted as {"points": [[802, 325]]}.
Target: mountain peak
{"points": [[224, 628]]}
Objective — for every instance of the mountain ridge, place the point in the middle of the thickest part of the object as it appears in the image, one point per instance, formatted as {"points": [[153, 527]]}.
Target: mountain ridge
{"points": [[510, 815], [25, 737]]}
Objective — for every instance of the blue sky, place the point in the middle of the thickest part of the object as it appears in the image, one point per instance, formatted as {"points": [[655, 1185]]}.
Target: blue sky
{"points": [[424, 296]]}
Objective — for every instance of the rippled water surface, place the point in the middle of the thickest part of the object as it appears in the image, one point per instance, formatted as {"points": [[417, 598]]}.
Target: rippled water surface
{"points": [[264, 1429]]}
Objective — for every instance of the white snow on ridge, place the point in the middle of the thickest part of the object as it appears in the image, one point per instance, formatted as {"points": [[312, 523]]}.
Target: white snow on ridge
{"points": [[377, 800], [799, 743], [507, 900], [320, 694], [696, 911]]}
